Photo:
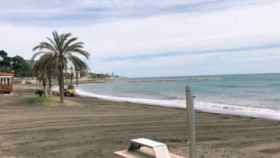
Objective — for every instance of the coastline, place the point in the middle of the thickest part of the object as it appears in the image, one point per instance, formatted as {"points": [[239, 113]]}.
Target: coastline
{"points": [[215, 108]]}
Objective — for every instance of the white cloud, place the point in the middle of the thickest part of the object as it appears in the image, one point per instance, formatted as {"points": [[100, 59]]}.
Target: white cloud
{"points": [[251, 26], [260, 61], [37, 12], [187, 32]]}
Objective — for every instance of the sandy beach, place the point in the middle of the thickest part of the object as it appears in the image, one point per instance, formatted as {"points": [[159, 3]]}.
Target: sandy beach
{"points": [[88, 127], [88, 78]]}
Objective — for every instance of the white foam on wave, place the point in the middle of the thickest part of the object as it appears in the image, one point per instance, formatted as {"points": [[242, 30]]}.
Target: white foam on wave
{"points": [[200, 106]]}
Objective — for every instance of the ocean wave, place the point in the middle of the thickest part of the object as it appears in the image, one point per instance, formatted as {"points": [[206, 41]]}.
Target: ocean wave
{"points": [[216, 108]]}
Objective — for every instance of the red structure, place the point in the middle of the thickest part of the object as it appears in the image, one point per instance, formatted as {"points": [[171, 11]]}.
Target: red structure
{"points": [[6, 82]]}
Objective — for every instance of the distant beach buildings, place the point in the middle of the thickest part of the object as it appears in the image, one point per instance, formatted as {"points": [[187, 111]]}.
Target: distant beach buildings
{"points": [[6, 82]]}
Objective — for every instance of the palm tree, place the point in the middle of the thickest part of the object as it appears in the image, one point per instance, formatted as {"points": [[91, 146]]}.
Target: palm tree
{"points": [[79, 68], [64, 49], [44, 70], [41, 76], [71, 75]]}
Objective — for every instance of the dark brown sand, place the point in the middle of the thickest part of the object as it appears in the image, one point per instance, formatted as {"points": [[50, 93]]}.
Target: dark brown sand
{"points": [[92, 128]]}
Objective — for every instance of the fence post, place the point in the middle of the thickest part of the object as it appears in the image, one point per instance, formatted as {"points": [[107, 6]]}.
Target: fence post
{"points": [[191, 123]]}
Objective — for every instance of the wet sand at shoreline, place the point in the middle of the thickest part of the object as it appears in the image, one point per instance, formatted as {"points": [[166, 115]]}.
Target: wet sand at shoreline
{"points": [[91, 127]]}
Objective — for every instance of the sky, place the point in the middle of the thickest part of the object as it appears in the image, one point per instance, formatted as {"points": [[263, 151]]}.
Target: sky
{"points": [[141, 38]]}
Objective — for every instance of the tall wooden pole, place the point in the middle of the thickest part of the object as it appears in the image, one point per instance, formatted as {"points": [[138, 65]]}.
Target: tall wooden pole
{"points": [[191, 123]]}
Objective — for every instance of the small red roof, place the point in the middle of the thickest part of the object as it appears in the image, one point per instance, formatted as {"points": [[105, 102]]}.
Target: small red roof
{"points": [[7, 74]]}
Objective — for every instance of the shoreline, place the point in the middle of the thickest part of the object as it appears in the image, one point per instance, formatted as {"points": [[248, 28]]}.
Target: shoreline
{"points": [[215, 108], [83, 128]]}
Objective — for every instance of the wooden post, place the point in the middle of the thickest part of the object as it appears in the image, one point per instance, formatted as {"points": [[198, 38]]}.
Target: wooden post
{"points": [[191, 123]]}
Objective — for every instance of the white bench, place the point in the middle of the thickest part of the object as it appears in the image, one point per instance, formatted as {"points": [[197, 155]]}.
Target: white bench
{"points": [[141, 148]]}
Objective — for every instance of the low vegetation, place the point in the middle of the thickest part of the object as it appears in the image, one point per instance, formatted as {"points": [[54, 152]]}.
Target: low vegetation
{"points": [[47, 101], [35, 100]]}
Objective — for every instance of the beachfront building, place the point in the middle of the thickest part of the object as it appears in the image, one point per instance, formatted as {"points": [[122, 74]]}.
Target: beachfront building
{"points": [[6, 82]]}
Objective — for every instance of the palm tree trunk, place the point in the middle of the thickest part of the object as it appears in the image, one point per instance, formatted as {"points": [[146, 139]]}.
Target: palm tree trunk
{"points": [[77, 78], [50, 85], [71, 78], [61, 83], [44, 82]]}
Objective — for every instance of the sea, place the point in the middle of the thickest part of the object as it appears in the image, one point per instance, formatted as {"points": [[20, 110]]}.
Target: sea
{"points": [[253, 95]]}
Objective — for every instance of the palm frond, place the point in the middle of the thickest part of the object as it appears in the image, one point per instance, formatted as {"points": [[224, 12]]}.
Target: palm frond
{"points": [[79, 52], [78, 63], [69, 42], [38, 54]]}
